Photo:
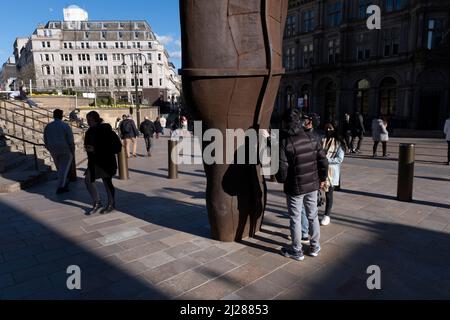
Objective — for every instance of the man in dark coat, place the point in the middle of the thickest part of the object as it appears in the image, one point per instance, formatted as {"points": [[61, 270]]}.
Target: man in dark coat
{"points": [[358, 131], [147, 128], [129, 134], [303, 170]]}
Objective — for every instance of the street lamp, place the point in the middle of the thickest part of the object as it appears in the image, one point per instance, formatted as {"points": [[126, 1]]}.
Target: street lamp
{"points": [[147, 66]]}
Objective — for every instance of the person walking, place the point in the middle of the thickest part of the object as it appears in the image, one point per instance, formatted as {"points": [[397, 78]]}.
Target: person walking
{"points": [[117, 124], [59, 141], [447, 137], [163, 122], [129, 134], [347, 131], [358, 131], [334, 147], [158, 127], [147, 128], [380, 134], [101, 144], [303, 170]]}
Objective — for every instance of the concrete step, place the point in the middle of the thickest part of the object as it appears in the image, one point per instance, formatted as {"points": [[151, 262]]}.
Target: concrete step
{"points": [[11, 160], [23, 177]]}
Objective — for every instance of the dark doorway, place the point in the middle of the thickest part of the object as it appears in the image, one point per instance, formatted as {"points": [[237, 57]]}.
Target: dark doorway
{"points": [[429, 111]]}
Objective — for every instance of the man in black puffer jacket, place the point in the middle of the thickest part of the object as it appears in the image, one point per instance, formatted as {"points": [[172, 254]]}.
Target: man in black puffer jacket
{"points": [[303, 170]]}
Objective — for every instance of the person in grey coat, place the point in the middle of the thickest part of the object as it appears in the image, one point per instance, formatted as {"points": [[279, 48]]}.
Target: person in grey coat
{"points": [[380, 134], [58, 139]]}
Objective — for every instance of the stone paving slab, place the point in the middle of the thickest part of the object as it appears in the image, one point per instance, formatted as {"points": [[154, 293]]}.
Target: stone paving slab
{"points": [[157, 246]]}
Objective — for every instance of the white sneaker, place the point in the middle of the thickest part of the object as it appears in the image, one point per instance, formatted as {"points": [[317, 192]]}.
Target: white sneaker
{"points": [[325, 221]]}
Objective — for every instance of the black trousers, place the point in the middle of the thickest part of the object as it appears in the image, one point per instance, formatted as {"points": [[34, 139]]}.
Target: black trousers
{"points": [[360, 140], [109, 187], [329, 201], [148, 143], [375, 147]]}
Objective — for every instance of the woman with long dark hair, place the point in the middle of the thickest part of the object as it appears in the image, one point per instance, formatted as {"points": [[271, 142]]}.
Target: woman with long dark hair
{"points": [[335, 149], [101, 145]]}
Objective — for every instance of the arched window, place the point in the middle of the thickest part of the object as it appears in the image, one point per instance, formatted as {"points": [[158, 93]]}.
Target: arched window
{"points": [[388, 97], [306, 96], [362, 97], [290, 98]]}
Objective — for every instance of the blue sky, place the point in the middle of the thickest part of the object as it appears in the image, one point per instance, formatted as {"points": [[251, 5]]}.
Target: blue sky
{"points": [[20, 18]]}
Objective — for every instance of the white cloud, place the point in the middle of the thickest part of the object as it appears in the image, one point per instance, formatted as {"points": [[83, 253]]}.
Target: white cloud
{"points": [[178, 43], [165, 39], [175, 54]]}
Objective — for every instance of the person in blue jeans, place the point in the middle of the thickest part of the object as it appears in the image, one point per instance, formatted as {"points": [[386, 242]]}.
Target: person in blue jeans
{"points": [[303, 170]]}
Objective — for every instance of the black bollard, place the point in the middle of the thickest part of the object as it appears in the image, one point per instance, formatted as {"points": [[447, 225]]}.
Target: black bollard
{"points": [[406, 160], [123, 165], [173, 159]]}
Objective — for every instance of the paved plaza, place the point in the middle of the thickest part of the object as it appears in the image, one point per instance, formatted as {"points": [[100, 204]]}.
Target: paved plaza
{"points": [[157, 246]]}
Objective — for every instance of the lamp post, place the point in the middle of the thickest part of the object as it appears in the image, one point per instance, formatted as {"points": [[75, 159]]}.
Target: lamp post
{"points": [[134, 59]]}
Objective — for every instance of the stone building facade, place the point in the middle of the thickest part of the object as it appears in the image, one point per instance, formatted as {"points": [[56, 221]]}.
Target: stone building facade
{"points": [[335, 64], [96, 57]]}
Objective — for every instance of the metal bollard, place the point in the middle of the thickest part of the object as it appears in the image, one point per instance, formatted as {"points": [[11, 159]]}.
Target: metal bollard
{"points": [[173, 167], [123, 165], [406, 160]]}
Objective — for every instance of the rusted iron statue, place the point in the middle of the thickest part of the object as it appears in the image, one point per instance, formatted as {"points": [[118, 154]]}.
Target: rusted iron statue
{"points": [[232, 66]]}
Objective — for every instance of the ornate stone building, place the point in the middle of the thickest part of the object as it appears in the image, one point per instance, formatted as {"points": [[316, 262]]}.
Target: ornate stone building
{"points": [[335, 64], [96, 56]]}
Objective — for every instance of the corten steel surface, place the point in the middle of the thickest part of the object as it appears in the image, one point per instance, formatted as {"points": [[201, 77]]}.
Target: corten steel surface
{"points": [[232, 66]]}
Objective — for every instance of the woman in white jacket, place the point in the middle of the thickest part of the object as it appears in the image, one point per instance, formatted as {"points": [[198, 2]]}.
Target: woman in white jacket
{"points": [[335, 148], [380, 134]]}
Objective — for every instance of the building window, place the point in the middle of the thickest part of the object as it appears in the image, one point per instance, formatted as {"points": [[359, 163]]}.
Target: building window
{"points": [[435, 33], [308, 55], [150, 45], [362, 97], [103, 34], [47, 57], [308, 21], [65, 45], [290, 59], [291, 26], [150, 69], [363, 5], [120, 35], [86, 35], [362, 54], [150, 82], [334, 14], [333, 51], [101, 57], [388, 97], [84, 70], [160, 82], [394, 5], [149, 56], [391, 42], [159, 56]]}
